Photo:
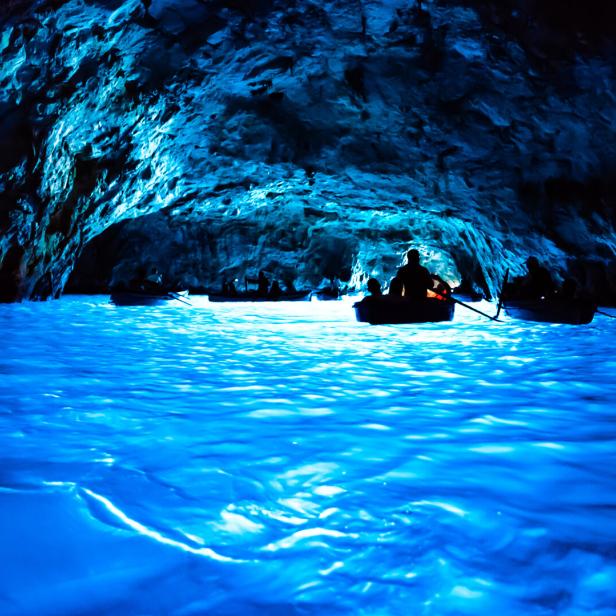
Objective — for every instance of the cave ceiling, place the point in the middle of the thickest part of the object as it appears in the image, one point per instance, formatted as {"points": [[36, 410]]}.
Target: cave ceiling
{"points": [[312, 139]]}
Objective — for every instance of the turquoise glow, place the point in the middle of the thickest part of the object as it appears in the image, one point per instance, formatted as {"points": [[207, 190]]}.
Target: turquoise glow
{"points": [[238, 460]]}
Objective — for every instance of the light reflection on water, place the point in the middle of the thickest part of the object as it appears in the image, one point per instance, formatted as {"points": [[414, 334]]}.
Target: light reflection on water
{"points": [[242, 459]]}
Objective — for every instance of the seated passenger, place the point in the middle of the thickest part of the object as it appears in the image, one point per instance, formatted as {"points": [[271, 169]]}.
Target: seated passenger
{"points": [[153, 282], [263, 284], [415, 278], [136, 282], [537, 283], [228, 288], [275, 291], [568, 290], [395, 286], [374, 288]]}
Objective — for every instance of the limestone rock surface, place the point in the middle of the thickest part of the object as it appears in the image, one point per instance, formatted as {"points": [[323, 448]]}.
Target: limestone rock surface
{"points": [[312, 139]]}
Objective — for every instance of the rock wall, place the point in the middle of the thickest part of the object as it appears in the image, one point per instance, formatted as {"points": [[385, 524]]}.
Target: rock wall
{"points": [[313, 138]]}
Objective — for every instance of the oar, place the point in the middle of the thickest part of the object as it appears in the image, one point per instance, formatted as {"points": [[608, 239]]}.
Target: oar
{"points": [[457, 301], [606, 314], [502, 294], [178, 297]]}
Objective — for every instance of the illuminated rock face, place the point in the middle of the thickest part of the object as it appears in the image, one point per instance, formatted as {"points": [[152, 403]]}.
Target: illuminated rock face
{"points": [[312, 139]]}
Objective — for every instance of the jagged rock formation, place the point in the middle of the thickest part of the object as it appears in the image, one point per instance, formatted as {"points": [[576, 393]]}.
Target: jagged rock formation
{"points": [[313, 139]]}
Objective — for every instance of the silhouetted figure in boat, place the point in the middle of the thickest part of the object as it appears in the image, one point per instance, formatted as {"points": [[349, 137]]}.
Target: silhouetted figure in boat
{"points": [[396, 286], [275, 291], [228, 288], [415, 278], [537, 283], [374, 288], [153, 282], [144, 282], [569, 290], [136, 282], [262, 284], [332, 291]]}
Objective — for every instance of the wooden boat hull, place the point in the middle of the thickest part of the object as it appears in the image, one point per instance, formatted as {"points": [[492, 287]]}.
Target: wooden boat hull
{"points": [[397, 310], [300, 296], [573, 312], [134, 298]]}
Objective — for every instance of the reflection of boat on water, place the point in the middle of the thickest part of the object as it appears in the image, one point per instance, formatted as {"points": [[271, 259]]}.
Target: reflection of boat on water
{"points": [[143, 298], [389, 309], [254, 296], [571, 311]]}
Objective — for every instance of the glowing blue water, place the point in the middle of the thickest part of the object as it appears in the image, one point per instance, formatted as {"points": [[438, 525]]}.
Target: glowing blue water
{"points": [[243, 460]]}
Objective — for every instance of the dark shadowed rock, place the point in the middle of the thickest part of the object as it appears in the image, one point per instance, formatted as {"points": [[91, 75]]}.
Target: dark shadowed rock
{"points": [[312, 140]]}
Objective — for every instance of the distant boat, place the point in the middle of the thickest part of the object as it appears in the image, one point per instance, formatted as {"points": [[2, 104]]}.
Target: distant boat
{"points": [[327, 294], [553, 310], [253, 296], [389, 309], [141, 298]]}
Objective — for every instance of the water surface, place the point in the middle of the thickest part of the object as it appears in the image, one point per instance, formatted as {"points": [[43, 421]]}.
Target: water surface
{"points": [[244, 459]]}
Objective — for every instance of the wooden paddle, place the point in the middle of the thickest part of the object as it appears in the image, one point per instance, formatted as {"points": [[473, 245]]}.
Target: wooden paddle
{"points": [[606, 314], [501, 295], [178, 297], [457, 301]]}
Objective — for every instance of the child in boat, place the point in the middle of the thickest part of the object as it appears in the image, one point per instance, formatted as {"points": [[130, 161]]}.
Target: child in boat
{"points": [[396, 286], [374, 288]]}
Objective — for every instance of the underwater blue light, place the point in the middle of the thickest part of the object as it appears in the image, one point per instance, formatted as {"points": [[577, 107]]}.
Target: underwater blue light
{"points": [[235, 459]]}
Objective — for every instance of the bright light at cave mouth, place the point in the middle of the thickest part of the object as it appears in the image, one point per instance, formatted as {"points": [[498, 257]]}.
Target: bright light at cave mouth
{"points": [[285, 458]]}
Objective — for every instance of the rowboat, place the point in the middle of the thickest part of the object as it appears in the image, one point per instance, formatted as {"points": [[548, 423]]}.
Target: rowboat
{"points": [[141, 298], [254, 296], [389, 309], [327, 294], [552, 310]]}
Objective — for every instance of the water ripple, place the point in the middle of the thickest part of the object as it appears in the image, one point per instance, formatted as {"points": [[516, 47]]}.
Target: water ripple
{"points": [[287, 460]]}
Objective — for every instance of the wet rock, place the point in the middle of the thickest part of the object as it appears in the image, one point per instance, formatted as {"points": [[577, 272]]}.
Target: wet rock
{"points": [[313, 140]]}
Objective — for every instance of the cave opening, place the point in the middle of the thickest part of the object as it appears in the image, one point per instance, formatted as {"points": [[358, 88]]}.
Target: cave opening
{"points": [[331, 329]]}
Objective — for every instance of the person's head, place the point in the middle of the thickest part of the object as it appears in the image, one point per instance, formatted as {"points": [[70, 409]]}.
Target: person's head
{"points": [[374, 286], [412, 256], [532, 263]]}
